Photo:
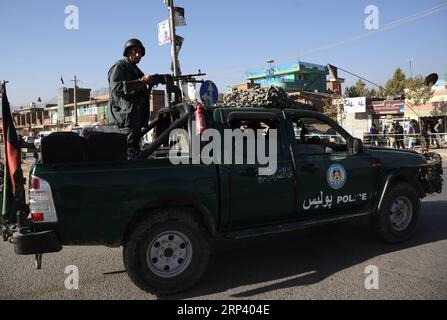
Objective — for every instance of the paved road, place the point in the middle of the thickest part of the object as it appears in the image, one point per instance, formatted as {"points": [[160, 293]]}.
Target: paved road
{"points": [[322, 263]]}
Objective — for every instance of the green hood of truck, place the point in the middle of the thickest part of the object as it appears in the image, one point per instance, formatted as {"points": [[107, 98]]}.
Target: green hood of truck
{"points": [[394, 158]]}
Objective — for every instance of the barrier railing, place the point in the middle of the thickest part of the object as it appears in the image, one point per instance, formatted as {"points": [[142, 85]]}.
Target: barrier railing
{"points": [[408, 140]]}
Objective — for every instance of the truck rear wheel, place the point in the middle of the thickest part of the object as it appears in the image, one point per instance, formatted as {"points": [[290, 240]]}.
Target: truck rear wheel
{"points": [[168, 252], [398, 217]]}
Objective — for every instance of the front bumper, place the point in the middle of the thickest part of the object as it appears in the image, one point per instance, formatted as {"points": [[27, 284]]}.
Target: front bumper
{"points": [[36, 242]]}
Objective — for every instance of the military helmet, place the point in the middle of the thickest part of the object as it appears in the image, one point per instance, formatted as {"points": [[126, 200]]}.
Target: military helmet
{"points": [[133, 43]]}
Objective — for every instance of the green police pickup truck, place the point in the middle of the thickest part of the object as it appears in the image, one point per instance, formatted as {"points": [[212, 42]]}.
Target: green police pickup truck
{"points": [[164, 214]]}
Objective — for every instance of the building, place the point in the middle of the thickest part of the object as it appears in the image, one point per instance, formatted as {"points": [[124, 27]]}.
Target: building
{"points": [[65, 97], [29, 121], [334, 83], [157, 101], [292, 77], [92, 111], [242, 86]]}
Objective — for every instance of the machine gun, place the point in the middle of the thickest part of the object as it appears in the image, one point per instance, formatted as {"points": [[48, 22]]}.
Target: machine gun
{"points": [[190, 77], [174, 93]]}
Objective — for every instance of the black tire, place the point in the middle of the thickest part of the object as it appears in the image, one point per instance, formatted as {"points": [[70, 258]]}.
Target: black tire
{"points": [[403, 197], [141, 250]]}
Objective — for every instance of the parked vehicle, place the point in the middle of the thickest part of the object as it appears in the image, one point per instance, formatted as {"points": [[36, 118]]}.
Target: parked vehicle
{"points": [[38, 140], [28, 139]]}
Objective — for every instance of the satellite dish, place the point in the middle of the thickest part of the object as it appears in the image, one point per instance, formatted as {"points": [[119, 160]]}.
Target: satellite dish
{"points": [[431, 79]]}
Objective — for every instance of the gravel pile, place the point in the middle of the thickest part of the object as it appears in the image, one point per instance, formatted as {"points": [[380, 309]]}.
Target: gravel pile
{"points": [[270, 97]]}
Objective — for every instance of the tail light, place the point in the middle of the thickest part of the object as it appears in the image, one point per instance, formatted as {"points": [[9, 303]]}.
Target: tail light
{"points": [[41, 201]]}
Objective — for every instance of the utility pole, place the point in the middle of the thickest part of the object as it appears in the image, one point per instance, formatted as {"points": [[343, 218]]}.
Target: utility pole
{"points": [[75, 81], [174, 53], [270, 62], [411, 67]]}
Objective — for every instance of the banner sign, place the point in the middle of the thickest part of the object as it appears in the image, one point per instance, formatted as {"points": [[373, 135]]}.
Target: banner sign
{"points": [[164, 33], [355, 105]]}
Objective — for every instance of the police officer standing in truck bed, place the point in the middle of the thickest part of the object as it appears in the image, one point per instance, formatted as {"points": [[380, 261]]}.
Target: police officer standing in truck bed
{"points": [[129, 90]]}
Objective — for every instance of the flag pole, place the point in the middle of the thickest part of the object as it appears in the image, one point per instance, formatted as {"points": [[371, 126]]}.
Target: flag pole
{"points": [[174, 52]]}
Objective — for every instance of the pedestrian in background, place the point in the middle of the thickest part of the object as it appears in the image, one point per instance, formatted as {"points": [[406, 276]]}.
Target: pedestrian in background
{"points": [[373, 135], [399, 136], [412, 131], [440, 130], [431, 134], [392, 136], [425, 138]]}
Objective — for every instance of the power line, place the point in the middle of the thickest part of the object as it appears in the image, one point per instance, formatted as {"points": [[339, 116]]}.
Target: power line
{"points": [[364, 79], [388, 27], [379, 86], [392, 25]]}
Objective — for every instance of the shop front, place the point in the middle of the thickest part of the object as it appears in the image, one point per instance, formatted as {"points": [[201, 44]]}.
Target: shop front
{"points": [[388, 111]]}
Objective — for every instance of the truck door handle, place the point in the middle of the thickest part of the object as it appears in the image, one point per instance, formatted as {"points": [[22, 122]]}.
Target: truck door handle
{"points": [[309, 168], [249, 172]]}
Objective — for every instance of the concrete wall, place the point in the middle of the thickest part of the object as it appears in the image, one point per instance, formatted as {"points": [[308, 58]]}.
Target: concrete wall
{"points": [[357, 123]]}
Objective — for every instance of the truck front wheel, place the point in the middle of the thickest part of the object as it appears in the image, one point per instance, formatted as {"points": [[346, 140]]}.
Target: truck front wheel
{"points": [[167, 252], [397, 219]]}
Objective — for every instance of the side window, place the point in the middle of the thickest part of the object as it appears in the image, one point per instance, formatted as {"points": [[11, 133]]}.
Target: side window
{"points": [[250, 128], [314, 136]]}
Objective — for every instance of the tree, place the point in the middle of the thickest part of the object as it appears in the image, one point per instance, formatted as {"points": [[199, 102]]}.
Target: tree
{"points": [[357, 90], [417, 91], [396, 85], [439, 109], [333, 107]]}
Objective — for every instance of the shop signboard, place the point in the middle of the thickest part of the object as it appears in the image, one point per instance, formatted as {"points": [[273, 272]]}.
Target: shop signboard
{"points": [[388, 107]]}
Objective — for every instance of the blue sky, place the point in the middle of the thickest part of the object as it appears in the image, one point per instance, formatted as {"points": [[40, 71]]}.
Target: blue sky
{"points": [[223, 39]]}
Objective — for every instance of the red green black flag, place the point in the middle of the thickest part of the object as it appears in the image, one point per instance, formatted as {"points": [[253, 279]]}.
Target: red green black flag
{"points": [[13, 182]]}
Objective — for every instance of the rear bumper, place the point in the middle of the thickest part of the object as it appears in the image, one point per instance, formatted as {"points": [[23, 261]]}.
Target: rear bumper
{"points": [[36, 243]]}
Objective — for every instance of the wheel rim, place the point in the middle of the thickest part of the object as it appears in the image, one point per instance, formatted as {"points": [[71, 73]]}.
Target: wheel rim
{"points": [[401, 213], [169, 254]]}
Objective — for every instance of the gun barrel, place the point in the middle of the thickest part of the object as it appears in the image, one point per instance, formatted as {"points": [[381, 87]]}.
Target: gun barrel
{"points": [[189, 76]]}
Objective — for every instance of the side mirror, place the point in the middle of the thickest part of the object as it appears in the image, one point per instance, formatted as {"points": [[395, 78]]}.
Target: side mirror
{"points": [[355, 146]]}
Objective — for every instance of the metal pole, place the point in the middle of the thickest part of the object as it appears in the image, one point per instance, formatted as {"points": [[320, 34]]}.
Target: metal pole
{"points": [[411, 68], [174, 53], [75, 101]]}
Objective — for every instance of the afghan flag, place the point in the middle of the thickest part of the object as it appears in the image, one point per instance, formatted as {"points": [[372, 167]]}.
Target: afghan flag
{"points": [[334, 71], [13, 181]]}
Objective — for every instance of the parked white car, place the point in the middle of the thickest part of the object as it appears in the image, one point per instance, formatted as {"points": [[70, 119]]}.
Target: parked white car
{"points": [[38, 140]]}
